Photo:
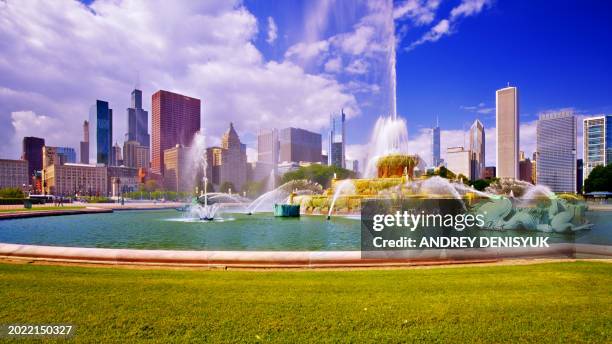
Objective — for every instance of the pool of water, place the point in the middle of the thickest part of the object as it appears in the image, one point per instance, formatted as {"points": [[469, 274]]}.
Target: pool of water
{"points": [[168, 229]]}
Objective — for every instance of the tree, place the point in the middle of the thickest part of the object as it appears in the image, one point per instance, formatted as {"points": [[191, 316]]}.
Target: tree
{"points": [[11, 193], [151, 185], [600, 179], [481, 184], [227, 186], [318, 173], [253, 188]]}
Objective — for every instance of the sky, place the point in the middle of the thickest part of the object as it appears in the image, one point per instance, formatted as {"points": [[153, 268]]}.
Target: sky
{"points": [[264, 64]]}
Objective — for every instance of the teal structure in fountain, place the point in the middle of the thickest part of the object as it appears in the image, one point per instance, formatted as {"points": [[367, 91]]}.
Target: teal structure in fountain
{"points": [[287, 210]]}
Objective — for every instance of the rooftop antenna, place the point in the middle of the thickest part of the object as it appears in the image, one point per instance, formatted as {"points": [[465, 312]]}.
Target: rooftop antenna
{"points": [[437, 121], [137, 86]]}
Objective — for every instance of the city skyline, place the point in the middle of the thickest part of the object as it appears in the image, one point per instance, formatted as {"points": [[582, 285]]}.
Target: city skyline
{"points": [[263, 59]]}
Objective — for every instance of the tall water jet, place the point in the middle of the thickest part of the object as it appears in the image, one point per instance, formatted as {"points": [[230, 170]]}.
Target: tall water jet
{"points": [[344, 187]]}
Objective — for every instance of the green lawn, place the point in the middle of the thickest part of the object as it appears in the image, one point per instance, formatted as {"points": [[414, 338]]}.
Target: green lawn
{"points": [[555, 302], [72, 207]]}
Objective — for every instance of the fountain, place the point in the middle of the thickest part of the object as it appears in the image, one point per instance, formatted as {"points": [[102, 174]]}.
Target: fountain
{"points": [[345, 186]]}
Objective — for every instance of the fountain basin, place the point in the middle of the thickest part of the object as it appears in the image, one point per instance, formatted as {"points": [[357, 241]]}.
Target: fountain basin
{"points": [[286, 210]]}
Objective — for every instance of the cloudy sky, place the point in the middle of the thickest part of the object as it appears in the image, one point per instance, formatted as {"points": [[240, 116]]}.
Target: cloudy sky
{"points": [[265, 64]]}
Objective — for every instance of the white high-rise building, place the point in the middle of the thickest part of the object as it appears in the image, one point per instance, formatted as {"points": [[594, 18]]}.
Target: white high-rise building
{"points": [[507, 132], [459, 161], [556, 147]]}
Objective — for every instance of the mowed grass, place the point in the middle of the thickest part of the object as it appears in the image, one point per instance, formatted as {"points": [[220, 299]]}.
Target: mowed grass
{"points": [[543, 303], [12, 210]]}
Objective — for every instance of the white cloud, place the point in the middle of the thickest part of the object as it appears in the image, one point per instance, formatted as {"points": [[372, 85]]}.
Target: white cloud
{"points": [[305, 51], [333, 65], [437, 31], [57, 62], [468, 8], [28, 123], [446, 27], [419, 11], [358, 66], [272, 31], [481, 108]]}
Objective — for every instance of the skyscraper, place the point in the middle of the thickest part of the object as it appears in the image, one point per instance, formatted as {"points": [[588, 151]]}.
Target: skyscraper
{"points": [[268, 148], [507, 132], [101, 131], [435, 145], [233, 159], [556, 146], [84, 145], [299, 145], [336, 152], [597, 143], [138, 120], [228, 163], [33, 154], [477, 146], [175, 120], [117, 157]]}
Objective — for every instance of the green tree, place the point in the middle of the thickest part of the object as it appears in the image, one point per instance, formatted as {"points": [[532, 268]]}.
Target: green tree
{"points": [[481, 184], [11, 193], [600, 179], [150, 185], [318, 173], [253, 188]]}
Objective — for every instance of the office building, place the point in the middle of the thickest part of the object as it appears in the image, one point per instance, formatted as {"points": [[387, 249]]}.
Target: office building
{"points": [[101, 132], [477, 146], [228, 163], [84, 145], [299, 145], [352, 165], [75, 179], [525, 170], [32, 153], [597, 144], [135, 155], [489, 172], [175, 120], [507, 132], [435, 146], [117, 156], [213, 164], [233, 160], [556, 147], [121, 179], [337, 143], [459, 161], [14, 174], [58, 155], [579, 176], [268, 153], [534, 168], [138, 120], [175, 169]]}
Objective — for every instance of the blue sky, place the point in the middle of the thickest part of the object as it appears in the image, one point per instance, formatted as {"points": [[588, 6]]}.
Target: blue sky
{"points": [[293, 63]]}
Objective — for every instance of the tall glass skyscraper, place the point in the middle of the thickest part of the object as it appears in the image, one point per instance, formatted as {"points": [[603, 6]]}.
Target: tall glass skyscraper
{"points": [[556, 147], [597, 143], [477, 147], [101, 132], [435, 146], [138, 120]]}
